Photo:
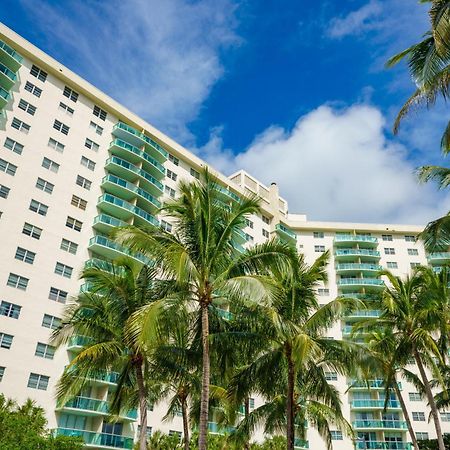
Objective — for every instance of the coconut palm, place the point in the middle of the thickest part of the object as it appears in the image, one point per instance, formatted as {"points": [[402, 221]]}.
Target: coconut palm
{"points": [[428, 63], [204, 259], [101, 315], [296, 352]]}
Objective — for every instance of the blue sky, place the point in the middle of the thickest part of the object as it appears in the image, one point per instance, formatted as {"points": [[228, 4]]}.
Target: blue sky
{"points": [[291, 90]]}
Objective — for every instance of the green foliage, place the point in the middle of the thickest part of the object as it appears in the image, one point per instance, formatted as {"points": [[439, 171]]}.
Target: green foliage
{"points": [[24, 428], [431, 444]]}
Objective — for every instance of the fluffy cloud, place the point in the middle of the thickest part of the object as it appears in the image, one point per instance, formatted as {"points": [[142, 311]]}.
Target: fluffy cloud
{"points": [[160, 58], [337, 164]]}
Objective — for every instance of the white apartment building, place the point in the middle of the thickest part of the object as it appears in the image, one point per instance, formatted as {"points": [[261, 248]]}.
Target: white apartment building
{"points": [[73, 164]]}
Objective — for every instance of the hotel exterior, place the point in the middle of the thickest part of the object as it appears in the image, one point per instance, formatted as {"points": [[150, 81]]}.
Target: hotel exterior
{"points": [[73, 164]]}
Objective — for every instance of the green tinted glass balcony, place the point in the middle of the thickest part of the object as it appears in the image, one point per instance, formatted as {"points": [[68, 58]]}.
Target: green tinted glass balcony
{"points": [[101, 377], [350, 253], [363, 314], [370, 445], [77, 342], [375, 404], [361, 239], [135, 137], [4, 97], [300, 444], [98, 440], [379, 424], [369, 384], [105, 223], [7, 77], [229, 195], [361, 282], [355, 267], [91, 406], [10, 57], [439, 258], [285, 233]]}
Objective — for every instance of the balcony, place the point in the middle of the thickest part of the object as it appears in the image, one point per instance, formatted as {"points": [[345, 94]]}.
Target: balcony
{"points": [[135, 155], [300, 444], [361, 239], [352, 253], [363, 314], [439, 258], [105, 247], [358, 268], [10, 57], [135, 137], [132, 173], [369, 384], [379, 425], [98, 440], [375, 404], [126, 190], [7, 77], [214, 428], [369, 445], [285, 233], [229, 195], [77, 342], [368, 283], [4, 97], [105, 223]]}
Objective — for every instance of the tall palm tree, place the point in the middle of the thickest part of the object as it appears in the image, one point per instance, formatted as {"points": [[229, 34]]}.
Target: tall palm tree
{"points": [[409, 311], [102, 315], [429, 65], [204, 259], [295, 351]]}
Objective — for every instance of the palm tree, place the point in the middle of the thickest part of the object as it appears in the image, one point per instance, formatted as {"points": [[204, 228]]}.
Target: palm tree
{"points": [[204, 259], [102, 315], [428, 63], [291, 329], [409, 311]]}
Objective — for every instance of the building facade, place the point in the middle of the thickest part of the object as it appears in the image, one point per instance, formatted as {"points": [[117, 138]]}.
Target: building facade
{"points": [[74, 164]]}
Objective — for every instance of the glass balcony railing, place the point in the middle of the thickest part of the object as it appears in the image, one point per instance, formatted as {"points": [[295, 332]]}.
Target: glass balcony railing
{"points": [[355, 238], [9, 73], [358, 267], [392, 445], [301, 444], [95, 406], [285, 231], [4, 95], [380, 424], [101, 440], [375, 404], [109, 220], [77, 341], [369, 384], [439, 257], [357, 252], [360, 281], [11, 52], [363, 313], [227, 193]]}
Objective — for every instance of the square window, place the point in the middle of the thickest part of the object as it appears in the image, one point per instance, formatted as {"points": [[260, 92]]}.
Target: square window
{"points": [[73, 223], [13, 145], [422, 436], [387, 237], [38, 73], [78, 202], [2, 372], [63, 128], [51, 322], [27, 107], [336, 435], [413, 252], [415, 397], [331, 376], [323, 292], [10, 310], [50, 165], [38, 207], [318, 234], [195, 174], [70, 94], [58, 146], [166, 226], [7, 167], [19, 125], [31, 230], [172, 175], [410, 238], [58, 295], [174, 160], [266, 220], [97, 128], [248, 237], [169, 191], [25, 255], [67, 109], [17, 281], [37, 381], [83, 182], [413, 265], [389, 251], [91, 145], [418, 416], [445, 416], [99, 112], [69, 246], [63, 270], [86, 162], [44, 185], [392, 265], [44, 350], [30, 87], [265, 233], [6, 340], [319, 248], [4, 191]]}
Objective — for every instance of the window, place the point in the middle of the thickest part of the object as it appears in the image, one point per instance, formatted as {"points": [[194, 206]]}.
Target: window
{"points": [[97, 128], [249, 223], [50, 165], [194, 173], [413, 252], [169, 191], [17, 281], [251, 403], [331, 376], [91, 144], [166, 226], [413, 265], [336, 435], [410, 238], [248, 237], [10, 310], [323, 292], [37, 381], [418, 416], [2, 372], [319, 248], [78, 202], [67, 109], [174, 160], [86, 162], [83, 182], [266, 220], [69, 246], [445, 416], [392, 265], [6, 340], [14, 146], [318, 234], [74, 223], [57, 295], [63, 270], [387, 237], [38, 207], [44, 350], [4, 191], [7, 167], [175, 433], [38, 73], [389, 251], [58, 146], [70, 94], [27, 107], [64, 129], [44, 185], [422, 436], [148, 431], [25, 255], [265, 233], [415, 397], [100, 113], [172, 175], [31, 230], [51, 322], [30, 87], [19, 125]]}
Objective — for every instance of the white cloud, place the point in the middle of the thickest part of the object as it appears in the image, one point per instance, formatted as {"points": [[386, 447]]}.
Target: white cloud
{"points": [[159, 58], [339, 165]]}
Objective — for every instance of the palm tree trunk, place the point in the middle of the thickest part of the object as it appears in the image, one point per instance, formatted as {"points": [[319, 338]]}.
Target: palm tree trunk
{"points": [[185, 423], [246, 413], [431, 402], [290, 434], [142, 407], [204, 399], [399, 395]]}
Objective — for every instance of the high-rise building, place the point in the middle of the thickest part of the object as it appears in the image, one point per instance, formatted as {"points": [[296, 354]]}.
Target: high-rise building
{"points": [[73, 164]]}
